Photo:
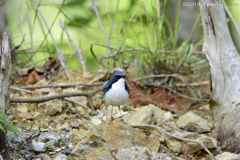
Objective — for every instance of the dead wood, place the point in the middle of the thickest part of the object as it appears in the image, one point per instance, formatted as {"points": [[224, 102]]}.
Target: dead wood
{"points": [[224, 62], [5, 74], [59, 96]]}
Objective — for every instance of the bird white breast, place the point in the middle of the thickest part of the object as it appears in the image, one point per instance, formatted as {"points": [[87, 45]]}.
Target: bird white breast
{"points": [[117, 95]]}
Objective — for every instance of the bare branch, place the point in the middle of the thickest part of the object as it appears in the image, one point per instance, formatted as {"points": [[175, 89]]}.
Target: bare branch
{"points": [[177, 137], [100, 22], [59, 52], [77, 52], [59, 96]]}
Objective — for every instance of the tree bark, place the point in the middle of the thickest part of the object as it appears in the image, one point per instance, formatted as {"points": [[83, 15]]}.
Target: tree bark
{"points": [[224, 64], [5, 73]]}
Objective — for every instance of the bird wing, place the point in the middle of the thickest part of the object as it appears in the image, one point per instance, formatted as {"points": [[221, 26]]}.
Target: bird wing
{"points": [[126, 87], [107, 87]]}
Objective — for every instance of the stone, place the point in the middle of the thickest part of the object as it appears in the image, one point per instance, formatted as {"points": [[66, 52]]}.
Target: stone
{"points": [[22, 108], [227, 155], [44, 157], [145, 115], [50, 136], [30, 116], [74, 123], [38, 146], [96, 121], [140, 153], [44, 90], [176, 146], [62, 126], [61, 157], [68, 151], [98, 139], [193, 123], [83, 111]]}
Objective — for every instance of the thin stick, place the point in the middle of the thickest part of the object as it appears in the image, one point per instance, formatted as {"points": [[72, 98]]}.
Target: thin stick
{"points": [[45, 37], [70, 100], [63, 85], [23, 90], [59, 52], [59, 96], [176, 137], [231, 17], [77, 52], [100, 22]]}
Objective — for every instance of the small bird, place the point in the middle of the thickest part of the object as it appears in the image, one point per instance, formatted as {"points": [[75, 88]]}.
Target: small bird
{"points": [[116, 92]]}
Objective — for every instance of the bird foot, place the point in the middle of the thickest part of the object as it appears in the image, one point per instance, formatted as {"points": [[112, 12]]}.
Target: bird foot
{"points": [[112, 119], [123, 121]]}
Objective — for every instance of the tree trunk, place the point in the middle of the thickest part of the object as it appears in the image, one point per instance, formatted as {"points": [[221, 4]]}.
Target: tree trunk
{"points": [[5, 73], [224, 63]]}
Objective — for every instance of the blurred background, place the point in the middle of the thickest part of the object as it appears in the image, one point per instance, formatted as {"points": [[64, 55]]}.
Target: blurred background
{"points": [[157, 36]]}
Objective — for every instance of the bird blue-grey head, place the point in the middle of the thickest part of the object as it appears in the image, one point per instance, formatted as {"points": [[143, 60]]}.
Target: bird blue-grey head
{"points": [[116, 91]]}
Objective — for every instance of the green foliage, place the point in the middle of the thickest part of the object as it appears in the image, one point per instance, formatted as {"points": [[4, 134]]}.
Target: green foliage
{"points": [[159, 51], [49, 145], [4, 125], [69, 158]]}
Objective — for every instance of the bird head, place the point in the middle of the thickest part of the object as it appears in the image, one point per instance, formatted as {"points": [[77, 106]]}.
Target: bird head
{"points": [[118, 75], [115, 78]]}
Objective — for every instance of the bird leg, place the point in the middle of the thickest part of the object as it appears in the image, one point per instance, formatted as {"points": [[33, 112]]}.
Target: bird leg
{"points": [[121, 115], [111, 116]]}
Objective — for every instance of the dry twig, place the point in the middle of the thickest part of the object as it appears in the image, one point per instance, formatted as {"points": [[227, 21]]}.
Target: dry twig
{"points": [[100, 22], [177, 137], [59, 52], [59, 96], [77, 52]]}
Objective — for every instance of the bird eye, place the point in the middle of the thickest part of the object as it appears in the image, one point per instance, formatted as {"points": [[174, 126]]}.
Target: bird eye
{"points": [[117, 76]]}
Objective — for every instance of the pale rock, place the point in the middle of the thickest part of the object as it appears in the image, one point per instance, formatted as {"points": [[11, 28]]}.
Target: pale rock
{"points": [[61, 157], [44, 90], [96, 121], [149, 114], [35, 128], [51, 137], [44, 157], [168, 116], [192, 122], [191, 147], [74, 123], [41, 82], [227, 156], [35, 115], [38, 146], [174, 145], [140, 153], [62, 126], [83, 111], [30, 116], [22, 108]]}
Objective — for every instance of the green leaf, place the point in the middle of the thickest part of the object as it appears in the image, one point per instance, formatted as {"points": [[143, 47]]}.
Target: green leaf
{"points": [[1, 128], [14, 129], [3, 116], [192, 92]]}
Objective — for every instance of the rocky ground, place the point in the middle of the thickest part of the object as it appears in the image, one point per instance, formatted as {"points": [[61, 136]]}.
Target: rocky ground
{"points": [[62, 130]]}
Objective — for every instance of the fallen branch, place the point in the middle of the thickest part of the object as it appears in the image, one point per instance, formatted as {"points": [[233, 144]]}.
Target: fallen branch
{"points": [[64, 85], [70, 100], [59, 96], [177, 137]]}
